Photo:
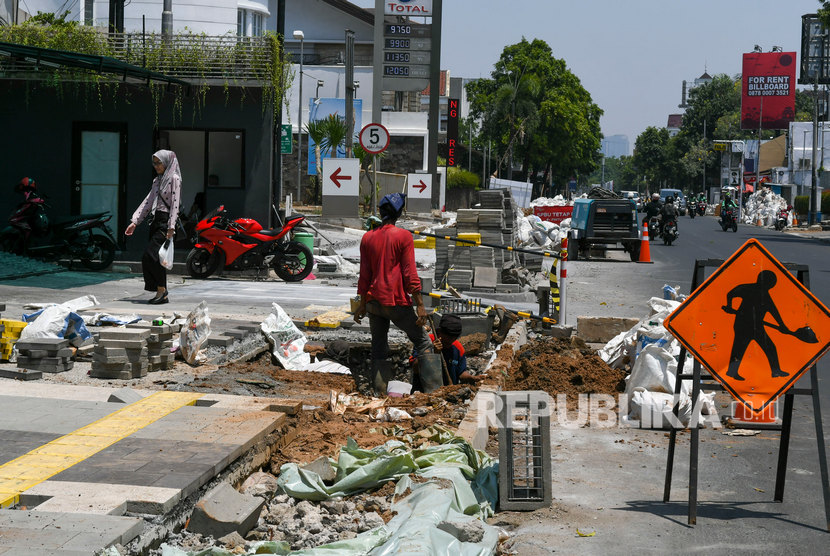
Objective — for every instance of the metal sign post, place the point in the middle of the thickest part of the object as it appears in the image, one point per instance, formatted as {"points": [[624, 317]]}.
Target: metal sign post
{"points": [[748, 376]]}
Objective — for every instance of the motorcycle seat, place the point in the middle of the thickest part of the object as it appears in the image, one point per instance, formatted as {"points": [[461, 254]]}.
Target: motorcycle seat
{"points": [[66, 220]]}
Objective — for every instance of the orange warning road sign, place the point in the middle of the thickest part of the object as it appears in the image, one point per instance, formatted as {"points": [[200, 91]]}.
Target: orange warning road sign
{"points": [[753, 325]]}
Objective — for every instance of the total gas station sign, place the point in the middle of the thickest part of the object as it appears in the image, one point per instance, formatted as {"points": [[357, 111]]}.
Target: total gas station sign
{"points": [[422, 8]]}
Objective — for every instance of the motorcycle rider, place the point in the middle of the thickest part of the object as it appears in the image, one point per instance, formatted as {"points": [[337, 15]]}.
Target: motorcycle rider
{"points": [[727, 204], [668, 213], [652, 209]]}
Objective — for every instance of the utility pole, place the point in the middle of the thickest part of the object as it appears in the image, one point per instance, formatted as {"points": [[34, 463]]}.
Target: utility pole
{"points": [[166, 19], [276, 163], [349, 92], [434, 94]]}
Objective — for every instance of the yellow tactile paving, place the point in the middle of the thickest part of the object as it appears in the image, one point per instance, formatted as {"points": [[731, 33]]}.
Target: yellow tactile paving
{"points": [[50, 459]]}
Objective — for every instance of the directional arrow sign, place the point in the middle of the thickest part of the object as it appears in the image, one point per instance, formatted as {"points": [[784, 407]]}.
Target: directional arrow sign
{"points": [[340, 177], [336, 177], [420, 186]]}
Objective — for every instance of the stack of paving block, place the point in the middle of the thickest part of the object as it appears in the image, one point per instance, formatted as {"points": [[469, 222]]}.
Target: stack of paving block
{"points": [[9, 336], [442, 254], [159, 343], [47, 355], [121, 353]]}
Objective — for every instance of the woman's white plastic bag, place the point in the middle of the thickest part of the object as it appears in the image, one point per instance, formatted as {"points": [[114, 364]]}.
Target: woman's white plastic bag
{"points": [[166, 254]]}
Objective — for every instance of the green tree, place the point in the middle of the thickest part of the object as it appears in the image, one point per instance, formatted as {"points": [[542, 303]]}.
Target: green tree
{"points": [[535, 107], [652, 156]]}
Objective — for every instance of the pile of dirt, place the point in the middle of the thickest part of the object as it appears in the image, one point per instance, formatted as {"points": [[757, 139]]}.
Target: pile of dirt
{"points": [[320, 432], [563, 366]]}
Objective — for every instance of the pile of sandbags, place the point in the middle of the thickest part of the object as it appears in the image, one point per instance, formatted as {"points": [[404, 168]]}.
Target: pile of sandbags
{"points": [[762, 208], [652, 353]]}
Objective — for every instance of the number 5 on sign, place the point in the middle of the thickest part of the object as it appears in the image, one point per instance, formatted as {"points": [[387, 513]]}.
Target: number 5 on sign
{"points": [[374, 138]]}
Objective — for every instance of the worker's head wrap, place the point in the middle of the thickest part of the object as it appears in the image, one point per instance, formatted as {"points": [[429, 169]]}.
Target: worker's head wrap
{"points": [[391, 206]]}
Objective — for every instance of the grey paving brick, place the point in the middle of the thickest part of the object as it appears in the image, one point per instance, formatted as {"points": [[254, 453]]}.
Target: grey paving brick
{"points": [[130, 334]]}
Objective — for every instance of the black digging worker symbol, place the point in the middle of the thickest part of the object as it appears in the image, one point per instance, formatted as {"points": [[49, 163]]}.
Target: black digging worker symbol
{"points": [[750, 325]]}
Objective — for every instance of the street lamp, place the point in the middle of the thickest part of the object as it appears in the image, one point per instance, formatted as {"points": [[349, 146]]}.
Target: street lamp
{"points": [[300, 36], [320, 83]]}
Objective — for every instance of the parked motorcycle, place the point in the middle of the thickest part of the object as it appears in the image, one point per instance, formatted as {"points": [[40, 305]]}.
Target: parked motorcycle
{"points": [[243, 244], [781, 219], [31, 233], [669, 233], [700, 207], [729, 220]]}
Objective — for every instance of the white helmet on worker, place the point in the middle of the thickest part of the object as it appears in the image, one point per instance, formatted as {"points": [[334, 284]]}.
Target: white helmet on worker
{"points": [[655, 196]]}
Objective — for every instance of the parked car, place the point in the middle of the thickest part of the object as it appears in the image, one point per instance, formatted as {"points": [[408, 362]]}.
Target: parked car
{"points": [[634, 196], [679, 199]]}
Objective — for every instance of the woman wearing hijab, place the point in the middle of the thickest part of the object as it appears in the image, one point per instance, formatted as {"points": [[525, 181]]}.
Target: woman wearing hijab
{"points": [[163, 203]]}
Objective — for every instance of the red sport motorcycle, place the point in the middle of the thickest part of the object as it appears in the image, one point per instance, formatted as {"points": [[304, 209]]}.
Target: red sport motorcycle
{"points": [[243, 244]]}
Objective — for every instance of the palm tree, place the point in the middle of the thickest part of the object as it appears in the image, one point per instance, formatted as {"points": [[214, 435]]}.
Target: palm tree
{"points": [[316, 132]]}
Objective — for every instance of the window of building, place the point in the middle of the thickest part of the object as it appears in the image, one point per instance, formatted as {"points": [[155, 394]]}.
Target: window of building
{"points": [[208, 158], [241, 22], [256, 24]]}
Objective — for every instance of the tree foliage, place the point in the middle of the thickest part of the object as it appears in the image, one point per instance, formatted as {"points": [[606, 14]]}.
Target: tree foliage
{"points": [[535, 107]]}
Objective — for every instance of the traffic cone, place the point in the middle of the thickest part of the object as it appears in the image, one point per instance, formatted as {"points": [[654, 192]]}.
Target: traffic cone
{"points": [[645, 248]]}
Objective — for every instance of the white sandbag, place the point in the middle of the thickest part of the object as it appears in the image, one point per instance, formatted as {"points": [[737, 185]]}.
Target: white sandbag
{"points": [[287, 341], [654, 370], [654, 410], [617, 352]]}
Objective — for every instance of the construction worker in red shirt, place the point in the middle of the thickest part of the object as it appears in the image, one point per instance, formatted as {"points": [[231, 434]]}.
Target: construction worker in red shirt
{"points": [[388, 286]]}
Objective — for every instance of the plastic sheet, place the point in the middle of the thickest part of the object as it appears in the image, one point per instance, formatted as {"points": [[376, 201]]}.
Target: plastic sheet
{"points": [[194, 334], [59, 321]]}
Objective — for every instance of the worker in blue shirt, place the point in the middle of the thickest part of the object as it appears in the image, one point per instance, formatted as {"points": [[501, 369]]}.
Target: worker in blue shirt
{"points": [[449, 330]]}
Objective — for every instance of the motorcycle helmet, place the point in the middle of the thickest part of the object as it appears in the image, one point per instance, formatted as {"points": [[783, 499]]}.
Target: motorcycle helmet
{"points": [[26, 184], [670, 199]]}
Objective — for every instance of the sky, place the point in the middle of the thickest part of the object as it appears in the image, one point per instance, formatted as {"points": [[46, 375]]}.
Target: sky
{"points": [[631, 56]]}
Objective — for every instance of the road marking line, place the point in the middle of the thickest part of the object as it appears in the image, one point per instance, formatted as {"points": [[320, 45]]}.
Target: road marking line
{"points": [[36, 466]]}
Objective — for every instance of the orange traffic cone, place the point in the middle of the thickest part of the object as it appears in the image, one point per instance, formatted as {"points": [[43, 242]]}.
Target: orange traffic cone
{"points": [[645, 248]]}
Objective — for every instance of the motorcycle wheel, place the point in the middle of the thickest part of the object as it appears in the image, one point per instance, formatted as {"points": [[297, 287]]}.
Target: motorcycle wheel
{"points": [[201, 263], [692, 214], [734, 226], [103, 250], [11, 244], [294, 263]]}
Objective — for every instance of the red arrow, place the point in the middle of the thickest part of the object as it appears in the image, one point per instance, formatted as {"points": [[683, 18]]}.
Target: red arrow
{"points": [[337, 178], [420, 186]]}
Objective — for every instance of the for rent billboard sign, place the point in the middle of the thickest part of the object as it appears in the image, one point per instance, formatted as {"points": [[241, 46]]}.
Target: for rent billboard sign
{"points": [[768, 90]]}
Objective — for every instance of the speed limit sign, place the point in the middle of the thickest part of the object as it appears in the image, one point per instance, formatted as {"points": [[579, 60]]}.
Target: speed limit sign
{"points": [[374, 138]]}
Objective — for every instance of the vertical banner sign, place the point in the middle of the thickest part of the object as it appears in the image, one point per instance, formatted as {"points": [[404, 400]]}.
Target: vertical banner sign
{"points": [[768, 90], [452, 131]]}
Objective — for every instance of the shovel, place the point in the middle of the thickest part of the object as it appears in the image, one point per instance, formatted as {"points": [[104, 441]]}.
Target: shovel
{"points": [[447, 378], [805, 333]]}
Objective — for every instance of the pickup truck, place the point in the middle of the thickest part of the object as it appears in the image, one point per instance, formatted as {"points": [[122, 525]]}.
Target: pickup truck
{"points": [[606, 222]]}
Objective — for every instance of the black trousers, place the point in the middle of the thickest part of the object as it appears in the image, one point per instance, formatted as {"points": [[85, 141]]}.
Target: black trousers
{"points": [[155, 275]]}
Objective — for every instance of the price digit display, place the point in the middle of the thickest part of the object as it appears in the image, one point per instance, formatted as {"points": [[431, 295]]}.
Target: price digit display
{"points": [[396, 57], [397, 71], [398, 29], [397, 43]]}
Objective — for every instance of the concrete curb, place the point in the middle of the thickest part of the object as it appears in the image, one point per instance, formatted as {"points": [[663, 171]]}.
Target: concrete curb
{"points": [[474, 428]]}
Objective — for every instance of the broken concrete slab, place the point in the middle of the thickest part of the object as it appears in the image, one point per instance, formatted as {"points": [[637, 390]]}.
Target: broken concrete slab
{"points": [[223, 510], [471, 530], [219, 340], [322, 466], [485, 277], [602, 329], [21, 374], [125, 395]]}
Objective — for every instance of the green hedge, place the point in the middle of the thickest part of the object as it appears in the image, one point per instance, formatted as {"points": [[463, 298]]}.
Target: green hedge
{"points": [[825, 203], [802, 204], [458, 177]]}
